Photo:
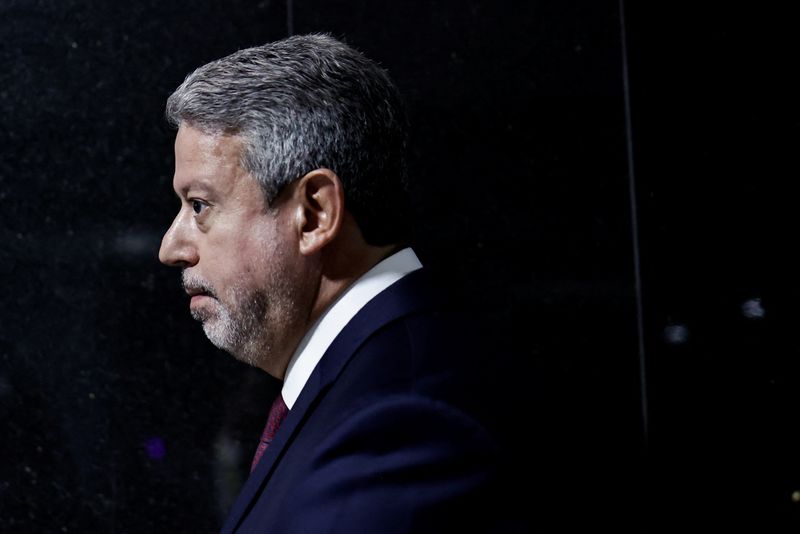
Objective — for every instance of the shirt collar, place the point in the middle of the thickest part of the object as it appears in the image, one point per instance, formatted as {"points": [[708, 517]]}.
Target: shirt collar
{"points": [[333, 320]]}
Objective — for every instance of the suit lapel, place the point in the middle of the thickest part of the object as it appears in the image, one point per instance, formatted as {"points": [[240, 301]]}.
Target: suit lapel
{"points": [[401, 298]]}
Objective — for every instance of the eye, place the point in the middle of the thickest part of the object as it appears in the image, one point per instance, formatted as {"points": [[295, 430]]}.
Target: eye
{"points": [[198, 206]]}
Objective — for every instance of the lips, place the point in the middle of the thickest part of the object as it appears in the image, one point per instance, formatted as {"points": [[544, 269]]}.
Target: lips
{"points": [[197, 298], [196, 287], [199, 301], [197, 294]]}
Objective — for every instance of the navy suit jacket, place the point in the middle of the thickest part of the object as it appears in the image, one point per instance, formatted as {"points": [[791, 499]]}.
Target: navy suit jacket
{"points": [[388, 435]]}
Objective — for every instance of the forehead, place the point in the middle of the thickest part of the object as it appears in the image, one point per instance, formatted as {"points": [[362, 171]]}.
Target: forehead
{"points": [[203, 158]]}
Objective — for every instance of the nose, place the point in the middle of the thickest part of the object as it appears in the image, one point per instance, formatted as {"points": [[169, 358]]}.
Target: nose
{"points": [[177, 248]]}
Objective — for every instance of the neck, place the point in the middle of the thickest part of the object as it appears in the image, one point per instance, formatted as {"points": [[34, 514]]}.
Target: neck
{"points": [[338, 266], [343, 271]]}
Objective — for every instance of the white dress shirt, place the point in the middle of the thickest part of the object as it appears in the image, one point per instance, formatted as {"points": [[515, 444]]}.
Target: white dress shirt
{"points": [[333, 320]]}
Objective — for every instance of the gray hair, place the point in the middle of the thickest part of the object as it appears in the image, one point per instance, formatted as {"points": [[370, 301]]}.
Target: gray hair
{"points": [[304, 103]]}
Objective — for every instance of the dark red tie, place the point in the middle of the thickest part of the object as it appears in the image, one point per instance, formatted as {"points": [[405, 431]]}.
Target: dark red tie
{"points": [[277, 413]]}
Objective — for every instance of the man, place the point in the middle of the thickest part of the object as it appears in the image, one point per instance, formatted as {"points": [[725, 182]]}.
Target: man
{"points": [[290, 169]]}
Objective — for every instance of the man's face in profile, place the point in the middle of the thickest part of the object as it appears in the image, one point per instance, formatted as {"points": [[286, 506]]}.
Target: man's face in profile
{"points": [[235, 254]]}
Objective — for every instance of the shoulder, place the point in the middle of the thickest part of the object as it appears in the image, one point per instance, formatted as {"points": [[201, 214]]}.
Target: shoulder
{"points": [[433, 352]]}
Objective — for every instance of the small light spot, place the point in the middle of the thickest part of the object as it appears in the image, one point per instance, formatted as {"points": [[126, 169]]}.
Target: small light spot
{"points": [[91, 396], [155, 447], [227, 451], [796, 496], [74, 44], [5, 387], [136, 244], [752, 309], [676, 334]]}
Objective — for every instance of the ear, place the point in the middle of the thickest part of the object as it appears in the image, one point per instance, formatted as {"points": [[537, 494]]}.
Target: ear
{"points": [[320, 209]]}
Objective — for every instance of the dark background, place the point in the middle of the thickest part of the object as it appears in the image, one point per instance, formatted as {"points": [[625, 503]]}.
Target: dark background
{"points": [[612, 188]]}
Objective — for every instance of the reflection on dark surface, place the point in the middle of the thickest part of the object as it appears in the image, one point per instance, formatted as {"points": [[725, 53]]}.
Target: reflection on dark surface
{"points": [[709, 113], [118, 416]]}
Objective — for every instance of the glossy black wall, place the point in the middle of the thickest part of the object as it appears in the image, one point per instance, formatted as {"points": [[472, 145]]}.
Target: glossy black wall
{"points": [[715, 127], [118, 415]]}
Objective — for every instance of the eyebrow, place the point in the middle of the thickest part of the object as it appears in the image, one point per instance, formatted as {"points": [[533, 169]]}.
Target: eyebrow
{"points": [[197, 183]]}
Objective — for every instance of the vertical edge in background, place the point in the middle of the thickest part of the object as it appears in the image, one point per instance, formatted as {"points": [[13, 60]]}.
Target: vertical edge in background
{"points": [[289, 18], [634, 227]]}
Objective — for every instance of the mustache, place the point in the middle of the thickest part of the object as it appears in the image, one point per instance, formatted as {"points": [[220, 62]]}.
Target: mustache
{"points": [[192, 282]]}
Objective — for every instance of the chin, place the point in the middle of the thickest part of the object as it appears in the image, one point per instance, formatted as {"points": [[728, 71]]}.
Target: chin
{"points": [[221, 338], [218, 335]]}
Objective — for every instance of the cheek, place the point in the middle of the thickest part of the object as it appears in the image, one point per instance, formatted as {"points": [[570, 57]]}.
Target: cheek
{"points": [[263, 257], [227, 262], [250, 254]]}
